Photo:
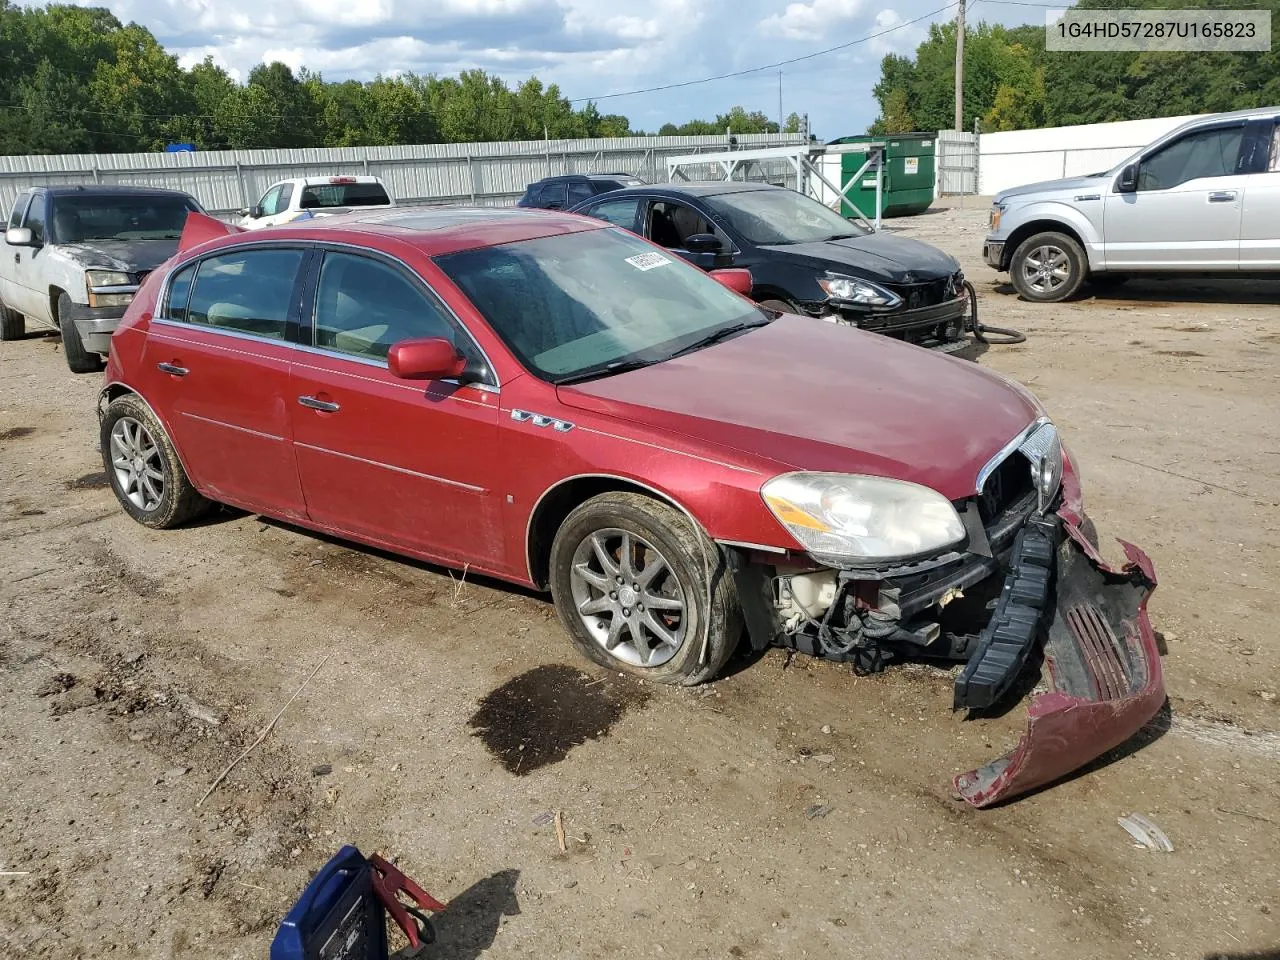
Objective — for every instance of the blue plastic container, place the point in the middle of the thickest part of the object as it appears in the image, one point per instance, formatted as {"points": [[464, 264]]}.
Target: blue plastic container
{"points": [[338, 916]]}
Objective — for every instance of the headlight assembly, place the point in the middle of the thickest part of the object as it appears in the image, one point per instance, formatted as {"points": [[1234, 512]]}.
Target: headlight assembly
{"points": [[854, 517], [853, 290], [109, 288]]}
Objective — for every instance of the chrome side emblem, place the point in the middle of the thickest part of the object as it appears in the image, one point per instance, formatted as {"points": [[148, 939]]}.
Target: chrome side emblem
{"points": [[541, 420]]}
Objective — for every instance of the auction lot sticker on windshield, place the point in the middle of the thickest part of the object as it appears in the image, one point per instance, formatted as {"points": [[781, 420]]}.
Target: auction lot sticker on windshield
{"points": [[647, 261], [1210, 30]]}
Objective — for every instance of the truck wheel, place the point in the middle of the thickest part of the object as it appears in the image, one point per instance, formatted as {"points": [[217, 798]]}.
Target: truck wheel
{"points": [[145, 473], [629, 577], [1048, 267], [13, 325], [78, 359]]}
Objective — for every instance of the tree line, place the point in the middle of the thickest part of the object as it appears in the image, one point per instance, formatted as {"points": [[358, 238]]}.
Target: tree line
{"points": [[76, 80], [1011, 82]]}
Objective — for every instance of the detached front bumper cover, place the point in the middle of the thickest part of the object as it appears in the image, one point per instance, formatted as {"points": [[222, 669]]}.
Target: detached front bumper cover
{"points": [[1102, 662]]}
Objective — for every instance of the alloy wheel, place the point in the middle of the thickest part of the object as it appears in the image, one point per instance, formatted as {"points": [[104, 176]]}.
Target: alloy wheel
{"points": [[629, 597], [135, 457], [1046, 268]]}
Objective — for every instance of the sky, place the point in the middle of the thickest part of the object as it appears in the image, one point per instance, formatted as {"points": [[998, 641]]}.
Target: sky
{"points": [[591, 48]]}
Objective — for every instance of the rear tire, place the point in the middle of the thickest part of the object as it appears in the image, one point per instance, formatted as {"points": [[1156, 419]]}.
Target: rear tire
{"points": [[1048, 268], [13, 325], [143, 467], [619, 552], [78, 359]]}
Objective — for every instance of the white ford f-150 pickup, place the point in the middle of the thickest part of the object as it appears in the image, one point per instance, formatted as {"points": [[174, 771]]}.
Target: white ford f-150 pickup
{"points": [[74, 256]]}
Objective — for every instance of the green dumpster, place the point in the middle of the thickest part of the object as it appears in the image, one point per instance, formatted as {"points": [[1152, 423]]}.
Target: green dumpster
{"points": [[909, 175]]}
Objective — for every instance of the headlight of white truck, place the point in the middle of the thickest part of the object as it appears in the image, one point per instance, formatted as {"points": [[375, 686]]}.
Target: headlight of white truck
{"points": [[100, 282], [854, 517]]}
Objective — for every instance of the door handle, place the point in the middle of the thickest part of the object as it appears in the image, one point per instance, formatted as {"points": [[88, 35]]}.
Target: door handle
{"points": [[173, 368], [1222, 196], [17, 258], [315, 404]]}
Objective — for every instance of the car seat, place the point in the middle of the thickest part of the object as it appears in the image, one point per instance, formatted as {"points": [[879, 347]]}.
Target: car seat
{"points": [[661, 229]]}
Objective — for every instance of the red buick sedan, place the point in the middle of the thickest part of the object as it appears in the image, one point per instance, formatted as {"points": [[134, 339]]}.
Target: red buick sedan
{"points": [[555, 402]]}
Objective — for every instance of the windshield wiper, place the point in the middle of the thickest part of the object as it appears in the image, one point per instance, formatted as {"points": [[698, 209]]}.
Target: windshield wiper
{"points": [[718, 335], [608, 370]]}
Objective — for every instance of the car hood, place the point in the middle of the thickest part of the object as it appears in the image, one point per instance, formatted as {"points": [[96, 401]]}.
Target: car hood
{"points": [[811, 395], [877, 256], [127, 256], [1051, 187]]}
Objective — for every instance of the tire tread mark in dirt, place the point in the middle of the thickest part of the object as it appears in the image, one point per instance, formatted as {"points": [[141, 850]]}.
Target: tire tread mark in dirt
{"points": [[536, 718]]}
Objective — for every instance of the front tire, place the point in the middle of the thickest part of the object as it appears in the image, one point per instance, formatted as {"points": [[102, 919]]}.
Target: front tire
{"points": [[13, 325], [629, 575], [143, 467], [78, 359], [1048, 268]]}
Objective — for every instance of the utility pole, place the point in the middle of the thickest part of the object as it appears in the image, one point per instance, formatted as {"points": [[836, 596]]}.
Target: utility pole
{"points": [[960, 67], [780, 123]]}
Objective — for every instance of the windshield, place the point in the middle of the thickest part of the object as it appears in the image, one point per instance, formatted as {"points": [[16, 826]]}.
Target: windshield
{"points": [[578, 303], [781, 216], [320, 196], [145, 217]]}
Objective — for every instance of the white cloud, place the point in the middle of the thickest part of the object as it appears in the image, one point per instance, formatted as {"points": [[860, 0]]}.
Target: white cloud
{"points": [[816, 20]]}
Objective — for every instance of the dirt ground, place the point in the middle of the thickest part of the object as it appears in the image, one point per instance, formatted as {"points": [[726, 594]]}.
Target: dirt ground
{"points": [[783, 811]]}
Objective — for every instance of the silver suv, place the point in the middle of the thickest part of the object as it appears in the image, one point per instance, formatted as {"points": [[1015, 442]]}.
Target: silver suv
{"points": [[1202, 199]]}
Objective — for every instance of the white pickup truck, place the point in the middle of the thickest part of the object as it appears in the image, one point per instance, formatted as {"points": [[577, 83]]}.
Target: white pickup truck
{"points": [[74, 256], [315, 197]]}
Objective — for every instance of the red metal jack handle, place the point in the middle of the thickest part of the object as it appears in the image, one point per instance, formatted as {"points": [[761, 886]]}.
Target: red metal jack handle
{"points": [[388, 884]]}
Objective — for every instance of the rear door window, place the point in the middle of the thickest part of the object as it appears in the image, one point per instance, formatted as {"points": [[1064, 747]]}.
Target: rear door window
{"points": [[179, 293], [245, 291]]}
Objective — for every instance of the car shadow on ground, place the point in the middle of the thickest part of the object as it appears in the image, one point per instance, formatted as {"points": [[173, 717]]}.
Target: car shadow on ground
{"points": [[469, 923], [1149, 292]]}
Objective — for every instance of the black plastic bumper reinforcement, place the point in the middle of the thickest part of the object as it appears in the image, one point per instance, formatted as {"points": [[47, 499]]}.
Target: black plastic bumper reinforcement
{"points": [[1007, 640]]}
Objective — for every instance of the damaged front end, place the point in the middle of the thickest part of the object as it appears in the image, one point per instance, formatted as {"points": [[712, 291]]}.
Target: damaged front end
{"points": [[1027, 581]]}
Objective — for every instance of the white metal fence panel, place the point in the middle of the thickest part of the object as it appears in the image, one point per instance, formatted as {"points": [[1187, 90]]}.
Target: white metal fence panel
{"points": [[488, 174], [957, 163]]}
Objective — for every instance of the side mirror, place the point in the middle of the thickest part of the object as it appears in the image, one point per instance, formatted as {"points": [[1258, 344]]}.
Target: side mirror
{"points": [[703, 243], [20, 237], [255, 212], [736, 279], [1128, 182], [428, 358]]}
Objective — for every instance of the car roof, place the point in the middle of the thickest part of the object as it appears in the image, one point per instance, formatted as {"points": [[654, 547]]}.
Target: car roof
{"points": [[108, 190], [435, 231], [584, 176], [707, 189]]}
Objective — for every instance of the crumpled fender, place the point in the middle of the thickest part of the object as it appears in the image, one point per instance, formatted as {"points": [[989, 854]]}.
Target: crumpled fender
{"points": [[1101, 658]]}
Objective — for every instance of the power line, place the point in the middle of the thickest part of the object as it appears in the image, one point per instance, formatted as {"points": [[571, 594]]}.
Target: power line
{"points": [[769, 66]]}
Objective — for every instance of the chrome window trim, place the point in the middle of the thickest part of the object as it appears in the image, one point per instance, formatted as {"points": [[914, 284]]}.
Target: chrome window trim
{"points": [[162, 306], [233, 334], [1007, 450]]}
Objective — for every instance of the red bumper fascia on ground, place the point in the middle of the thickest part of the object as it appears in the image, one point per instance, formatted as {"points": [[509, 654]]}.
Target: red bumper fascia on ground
{"points": [[1103, 665]]}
